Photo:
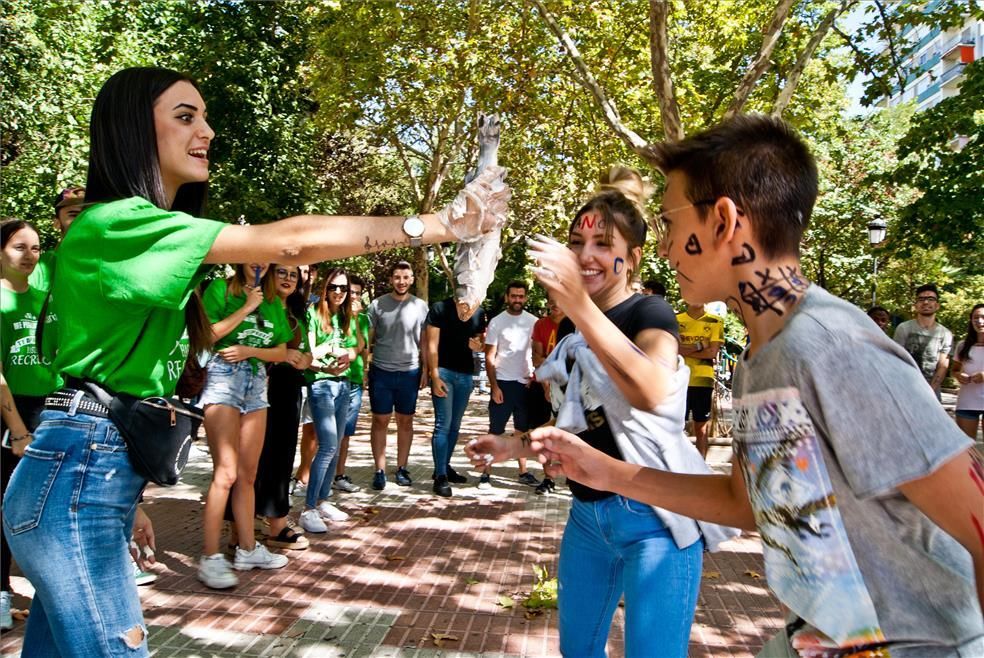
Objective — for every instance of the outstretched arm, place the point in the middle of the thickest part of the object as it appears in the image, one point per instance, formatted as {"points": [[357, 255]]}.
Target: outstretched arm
{"points": [[720, 499]]}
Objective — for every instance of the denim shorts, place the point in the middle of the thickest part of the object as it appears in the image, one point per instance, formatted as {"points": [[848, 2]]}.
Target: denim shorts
{"points": [[234, 385], [389, 390]]}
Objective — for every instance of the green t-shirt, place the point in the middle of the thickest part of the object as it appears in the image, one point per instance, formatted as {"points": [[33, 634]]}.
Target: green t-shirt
{"points": [[26, 373], [356, 371], [335, 339], [44, 271], [275, 329], [125, 272]]}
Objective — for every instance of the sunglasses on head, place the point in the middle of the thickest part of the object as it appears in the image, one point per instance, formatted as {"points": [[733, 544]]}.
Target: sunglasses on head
{"points": [[290, 275], [337, 287]]}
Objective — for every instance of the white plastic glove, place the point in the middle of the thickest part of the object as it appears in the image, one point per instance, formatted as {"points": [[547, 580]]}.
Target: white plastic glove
{"points": [[480, 207]]}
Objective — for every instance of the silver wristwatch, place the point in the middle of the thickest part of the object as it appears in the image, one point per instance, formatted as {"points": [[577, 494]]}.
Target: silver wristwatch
{"points": [[413, 226]]}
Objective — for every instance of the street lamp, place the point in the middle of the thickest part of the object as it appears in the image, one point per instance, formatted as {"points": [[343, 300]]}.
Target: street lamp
{"points": [[876, 234]]}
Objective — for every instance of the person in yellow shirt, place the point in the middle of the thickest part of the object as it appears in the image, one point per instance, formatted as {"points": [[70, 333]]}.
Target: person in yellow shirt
{"points": [[701, 336]]}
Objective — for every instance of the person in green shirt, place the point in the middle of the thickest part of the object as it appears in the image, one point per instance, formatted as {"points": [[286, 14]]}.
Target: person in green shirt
{"points": [[285, 381], [26, 377], [335, 342], [124, 294], [68, 205], [250, 328], [356, 375]]}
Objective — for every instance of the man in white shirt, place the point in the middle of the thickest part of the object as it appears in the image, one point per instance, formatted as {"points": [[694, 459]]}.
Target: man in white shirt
{"points": [[509, 364]]}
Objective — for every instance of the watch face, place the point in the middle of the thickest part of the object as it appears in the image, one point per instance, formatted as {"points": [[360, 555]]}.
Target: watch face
{"points": [[413, 226]]}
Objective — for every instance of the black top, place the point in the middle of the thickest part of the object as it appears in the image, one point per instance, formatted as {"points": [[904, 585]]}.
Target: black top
{"points": [[632, 316], [453, 352]]}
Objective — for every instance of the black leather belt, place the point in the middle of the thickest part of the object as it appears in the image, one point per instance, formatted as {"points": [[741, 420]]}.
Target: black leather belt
{"points": [[62, 401]]}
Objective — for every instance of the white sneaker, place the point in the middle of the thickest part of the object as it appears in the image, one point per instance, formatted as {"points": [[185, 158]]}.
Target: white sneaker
{"points": [[215, 572], [331, 513], [258, 558], [6, 621], [311, 521]]}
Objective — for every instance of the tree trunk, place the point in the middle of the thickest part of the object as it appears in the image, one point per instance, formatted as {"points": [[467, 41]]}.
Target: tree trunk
{"points": [[761, 63], [669, 110]]}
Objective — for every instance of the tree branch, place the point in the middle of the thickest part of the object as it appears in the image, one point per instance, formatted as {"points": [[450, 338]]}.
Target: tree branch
{"points": [[792, 80], [669, 109], [761, 62], [588, 81], [418, 196], [892, 49], [863, 60]]}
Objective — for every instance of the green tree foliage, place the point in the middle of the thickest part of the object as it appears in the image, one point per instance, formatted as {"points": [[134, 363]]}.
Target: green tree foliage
{"points": [[942, 156]]}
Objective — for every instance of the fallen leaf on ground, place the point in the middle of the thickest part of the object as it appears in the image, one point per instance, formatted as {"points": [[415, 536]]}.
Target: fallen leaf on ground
{"points": [[441, 638], [471, 581], [753, 574], [505, 602], [532, 614], [298, 632], [711, 575], [394, 558]]}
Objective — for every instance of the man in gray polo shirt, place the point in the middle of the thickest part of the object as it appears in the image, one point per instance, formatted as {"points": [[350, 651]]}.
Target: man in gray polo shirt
{"points": [[397, 319]]}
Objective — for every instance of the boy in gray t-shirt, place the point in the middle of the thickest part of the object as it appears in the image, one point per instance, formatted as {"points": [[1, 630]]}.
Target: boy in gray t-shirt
{"points": [[868, 499]]}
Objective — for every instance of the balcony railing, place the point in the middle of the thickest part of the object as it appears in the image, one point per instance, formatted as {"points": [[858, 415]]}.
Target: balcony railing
{"points": [[951, 73]]}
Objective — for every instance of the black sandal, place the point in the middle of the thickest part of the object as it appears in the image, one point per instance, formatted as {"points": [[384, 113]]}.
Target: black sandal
{"points": [[289, 539]]}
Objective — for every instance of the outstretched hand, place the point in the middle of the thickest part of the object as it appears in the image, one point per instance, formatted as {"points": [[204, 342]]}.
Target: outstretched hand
{"points": [[480, 207], [557, 268], [563, 453], [490, 448]]}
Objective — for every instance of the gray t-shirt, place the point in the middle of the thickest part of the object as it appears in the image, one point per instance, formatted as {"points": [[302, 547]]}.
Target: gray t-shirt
{"points": [[924, 345], [397, 325], [830, 417]]}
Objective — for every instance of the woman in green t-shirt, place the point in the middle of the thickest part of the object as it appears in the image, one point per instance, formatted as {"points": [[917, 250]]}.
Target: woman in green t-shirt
{"points": [[26, 377], [335, 342], [250, 329], [124, 294]]}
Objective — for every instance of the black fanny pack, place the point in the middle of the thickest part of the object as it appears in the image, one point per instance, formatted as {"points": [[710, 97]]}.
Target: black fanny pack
{"points": [[158, 431]]}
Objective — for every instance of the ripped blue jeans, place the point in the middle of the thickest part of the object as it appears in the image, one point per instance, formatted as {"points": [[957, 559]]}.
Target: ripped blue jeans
{"points": [[68, 515]]}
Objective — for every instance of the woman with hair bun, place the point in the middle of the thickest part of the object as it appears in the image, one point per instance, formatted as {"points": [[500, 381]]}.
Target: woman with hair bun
{"points": [[124, 295], [619, 384]]}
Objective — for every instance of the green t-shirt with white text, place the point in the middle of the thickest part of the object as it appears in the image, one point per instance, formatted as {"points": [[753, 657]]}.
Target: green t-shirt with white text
{"points": [[26, 372], [335, 338], [273, 330], [125, 272]]}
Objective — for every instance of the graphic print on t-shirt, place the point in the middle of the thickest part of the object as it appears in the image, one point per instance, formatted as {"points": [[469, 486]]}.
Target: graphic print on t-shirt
{"points": [[808, 559]]}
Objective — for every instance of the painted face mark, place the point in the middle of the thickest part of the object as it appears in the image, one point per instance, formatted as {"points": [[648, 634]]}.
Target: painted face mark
{"points": [[747, 255], [772, 289], [693, 246], [679, 273], [619, 265], [590, 220]]}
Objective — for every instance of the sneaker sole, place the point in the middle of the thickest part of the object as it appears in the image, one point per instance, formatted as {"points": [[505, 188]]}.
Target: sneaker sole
{"points": [[215, 584], [250, 567]]}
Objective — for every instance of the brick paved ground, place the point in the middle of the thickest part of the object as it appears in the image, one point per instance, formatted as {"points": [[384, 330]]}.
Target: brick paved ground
{"points": [[408, 565]]}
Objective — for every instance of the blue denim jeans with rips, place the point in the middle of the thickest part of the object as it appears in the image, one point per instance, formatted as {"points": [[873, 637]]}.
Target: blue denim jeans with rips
{"points": [[329, 400], [68, 514], [448, 412]]}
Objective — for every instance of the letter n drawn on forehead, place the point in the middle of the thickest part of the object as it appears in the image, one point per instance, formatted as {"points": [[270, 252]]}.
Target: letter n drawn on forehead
{"points": [[589, 220], [693, 245]]}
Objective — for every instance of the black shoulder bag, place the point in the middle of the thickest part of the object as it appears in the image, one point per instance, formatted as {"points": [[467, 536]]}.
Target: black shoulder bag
{"points": [[158, 431]]}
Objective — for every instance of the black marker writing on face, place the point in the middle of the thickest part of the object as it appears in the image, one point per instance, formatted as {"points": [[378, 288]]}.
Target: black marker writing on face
{"points": [[772, 290], [589, 220], [747, 255], [619, 264], [693, 245], [735, 305], [677, 268]]}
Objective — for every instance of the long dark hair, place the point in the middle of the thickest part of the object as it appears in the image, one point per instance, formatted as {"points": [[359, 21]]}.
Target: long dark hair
{"points": [[123, 161], [11, 225], [971, 338], [344, 311]]}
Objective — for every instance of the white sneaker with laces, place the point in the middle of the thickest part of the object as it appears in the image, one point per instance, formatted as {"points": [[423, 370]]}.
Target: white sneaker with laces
{"points": [[311, 521], [258, 558], [330, 512], [215, 572], [6, 620]]}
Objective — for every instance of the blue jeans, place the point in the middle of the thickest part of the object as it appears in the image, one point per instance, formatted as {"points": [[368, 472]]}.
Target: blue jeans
{"points": [[448, 412], [618, 545], [68, 514], [329, 400], [355, 406]]}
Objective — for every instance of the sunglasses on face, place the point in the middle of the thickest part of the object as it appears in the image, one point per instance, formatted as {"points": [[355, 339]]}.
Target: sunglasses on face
{"points": [[290, 275], [337, 287]]}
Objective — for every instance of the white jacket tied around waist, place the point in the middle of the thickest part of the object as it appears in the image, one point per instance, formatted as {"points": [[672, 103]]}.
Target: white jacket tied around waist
{"points": [[649, 438]]}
